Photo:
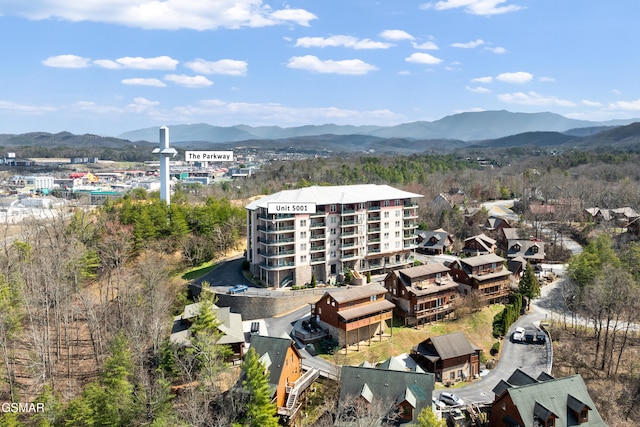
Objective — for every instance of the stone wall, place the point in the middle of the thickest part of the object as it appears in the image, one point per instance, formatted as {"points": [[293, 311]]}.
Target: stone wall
{"points": [[261, 303]]}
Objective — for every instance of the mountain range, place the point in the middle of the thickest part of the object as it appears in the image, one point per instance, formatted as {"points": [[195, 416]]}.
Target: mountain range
{"points": [[476, 130], [470, 126]]}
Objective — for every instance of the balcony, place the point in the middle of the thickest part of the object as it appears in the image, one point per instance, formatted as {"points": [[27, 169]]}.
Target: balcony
{"points": [[318, 260], [373, 240], [277, 217], [373, 230], [373, 208], [410, 215], [409, 225], [277, 266], [274, 242], [318, 248], [374, 218], [349, 223], [276, 229], [276, 254], [318, 224], [349, 256], [318, 236]]}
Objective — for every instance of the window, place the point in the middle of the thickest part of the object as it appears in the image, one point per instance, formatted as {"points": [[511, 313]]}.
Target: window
{"points": [[386, 214], [386, 203], [333, 254], [303, 246], [386, 225], [333, 243], [333, 231], [386, 246], [397, 234], [397, 223], [334, 219], [373, 297], [397, 246], [303, 258], [386, 235], [452, 375], [303, 223], [459, 373], [397, 213]]}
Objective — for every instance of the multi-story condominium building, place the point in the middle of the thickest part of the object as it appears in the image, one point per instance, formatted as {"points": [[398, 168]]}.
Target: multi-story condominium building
{"points": [[353, 227]]}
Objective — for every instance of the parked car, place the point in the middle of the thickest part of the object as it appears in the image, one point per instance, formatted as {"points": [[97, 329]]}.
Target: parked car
{"points": [[518, 334], [238, 289], [438, 404], [451, 399]]}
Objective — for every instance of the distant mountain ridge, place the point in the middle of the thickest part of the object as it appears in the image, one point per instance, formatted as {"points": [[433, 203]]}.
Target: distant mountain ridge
{"points": [[470, 126]]}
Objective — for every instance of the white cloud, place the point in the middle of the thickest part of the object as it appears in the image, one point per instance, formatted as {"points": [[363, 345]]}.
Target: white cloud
{"points": [[188, 81], [230, 67], [140, 105], [167, 15], [298, 16], [13, 107], [474, 7], [67, 61], [477, 89], [591, 103], [532, 98], [497, 50], [270, 113], [396, 35], [518, 77], [143, 82], [546, 79], [487, 79], [468, 45], [347, 66], [423, 58], [139, 63], [428, 45], [341, 41], [625, 105]]}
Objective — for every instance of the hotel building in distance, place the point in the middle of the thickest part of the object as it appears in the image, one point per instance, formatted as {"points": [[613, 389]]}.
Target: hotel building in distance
{"points": [[363, 227]]}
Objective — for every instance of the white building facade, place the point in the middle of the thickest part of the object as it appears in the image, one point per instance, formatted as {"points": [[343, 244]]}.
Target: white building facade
{"points": [[362, 228]]}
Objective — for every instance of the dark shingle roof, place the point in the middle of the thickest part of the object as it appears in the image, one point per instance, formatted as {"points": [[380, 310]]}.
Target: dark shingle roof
{"points": [[276, 348], [388, 385], [446, 346]]}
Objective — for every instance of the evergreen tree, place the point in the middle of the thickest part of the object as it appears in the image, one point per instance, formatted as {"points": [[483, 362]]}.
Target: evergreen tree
{"points": [[260, 411], [529, 286]]}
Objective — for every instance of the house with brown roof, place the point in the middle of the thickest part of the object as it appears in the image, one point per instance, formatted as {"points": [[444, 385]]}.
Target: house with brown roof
{"points": [[485, 274], [287, 379], [479, 244], [421, 294], [545, 401], [354, 314], [451, 357]]}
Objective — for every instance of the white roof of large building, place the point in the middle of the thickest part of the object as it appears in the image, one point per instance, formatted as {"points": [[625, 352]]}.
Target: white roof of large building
{"points": [[339, 194]]}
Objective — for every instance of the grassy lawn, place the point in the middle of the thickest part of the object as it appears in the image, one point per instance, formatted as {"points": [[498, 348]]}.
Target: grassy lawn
{"points": [[477, 327], [199, 271]]}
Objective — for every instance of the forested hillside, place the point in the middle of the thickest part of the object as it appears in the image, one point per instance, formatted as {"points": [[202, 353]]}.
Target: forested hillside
{"points": [[87, 301]]}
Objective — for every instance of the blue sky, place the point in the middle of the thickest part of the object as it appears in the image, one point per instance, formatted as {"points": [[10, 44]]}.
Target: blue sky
{"points": [[109, 66]]}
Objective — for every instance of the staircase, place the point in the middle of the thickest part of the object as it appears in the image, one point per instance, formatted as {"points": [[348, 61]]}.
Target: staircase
{"points": [[299, 386]]}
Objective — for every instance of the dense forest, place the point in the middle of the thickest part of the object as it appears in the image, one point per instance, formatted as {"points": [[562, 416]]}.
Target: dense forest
{"points": [[87, 299]]}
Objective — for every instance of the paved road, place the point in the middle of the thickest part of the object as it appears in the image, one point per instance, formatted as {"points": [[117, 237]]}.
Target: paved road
{"points": [[227, 274]]}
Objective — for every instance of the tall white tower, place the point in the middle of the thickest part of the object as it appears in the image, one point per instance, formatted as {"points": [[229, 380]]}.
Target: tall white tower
{"points": [[165, 151]]}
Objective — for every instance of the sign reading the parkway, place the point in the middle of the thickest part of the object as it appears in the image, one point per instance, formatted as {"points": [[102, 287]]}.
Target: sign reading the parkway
{"points": [[208, 156]]}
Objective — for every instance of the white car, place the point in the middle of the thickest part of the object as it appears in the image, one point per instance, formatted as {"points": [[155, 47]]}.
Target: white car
{"points": [[451, 399], [518, 334]]}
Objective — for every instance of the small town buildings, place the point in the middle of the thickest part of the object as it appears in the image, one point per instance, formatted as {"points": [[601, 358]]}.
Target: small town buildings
{"points": [[421, 294], [543, 401], [531, 250], [354, 314], [434, 242], [450, 357], [495, 224], [287, 379], [377, 392], [230, 328], [362, 228], [480, 244], [485, 274]]}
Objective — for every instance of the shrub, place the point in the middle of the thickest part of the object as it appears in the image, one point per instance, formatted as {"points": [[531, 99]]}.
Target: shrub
{"points": [[495, 348]]}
